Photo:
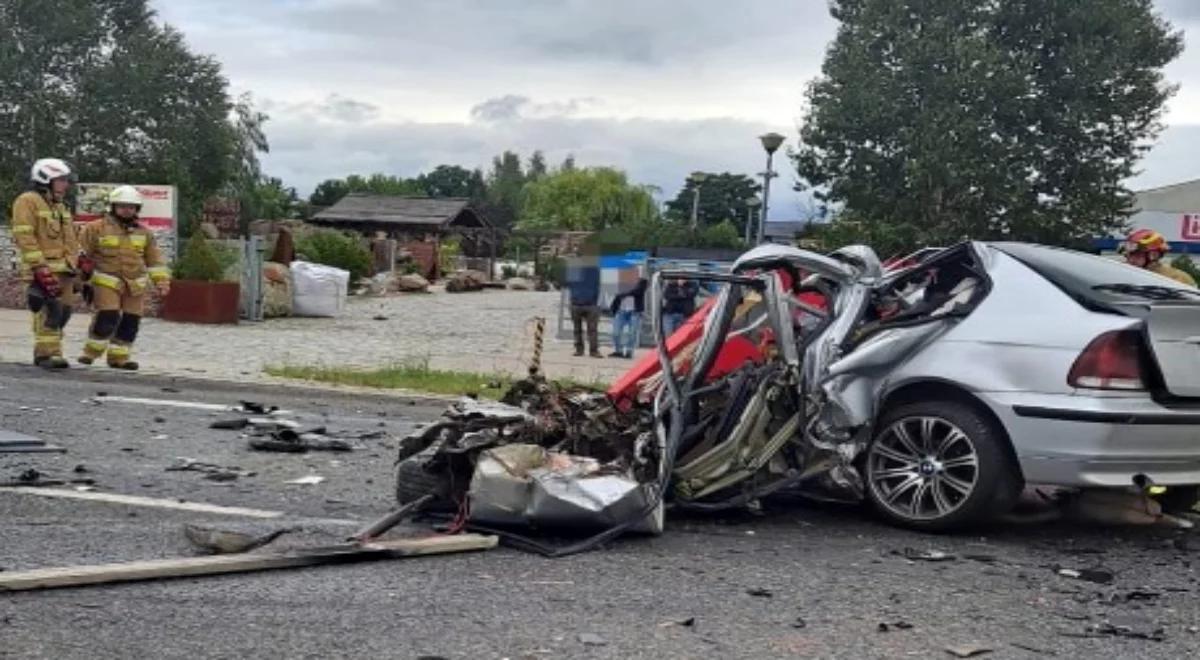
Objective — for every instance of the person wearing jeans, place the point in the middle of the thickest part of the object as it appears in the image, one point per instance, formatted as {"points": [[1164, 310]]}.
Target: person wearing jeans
{"points": [[627, 308]]}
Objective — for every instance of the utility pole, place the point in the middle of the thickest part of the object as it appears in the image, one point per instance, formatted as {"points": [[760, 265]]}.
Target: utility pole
{"points": [[771, 143], [696, 178]]}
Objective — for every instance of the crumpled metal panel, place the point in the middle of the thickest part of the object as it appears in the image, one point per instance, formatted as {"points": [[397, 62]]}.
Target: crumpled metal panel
{"points": [[522, 484]]}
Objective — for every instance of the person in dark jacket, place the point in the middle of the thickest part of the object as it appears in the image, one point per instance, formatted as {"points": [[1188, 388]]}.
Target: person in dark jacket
{"points": [[679, 303], [627, 308], [583, 286]]}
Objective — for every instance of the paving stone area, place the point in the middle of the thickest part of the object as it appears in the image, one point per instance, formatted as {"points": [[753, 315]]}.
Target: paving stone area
{"points": [[487, 332]]}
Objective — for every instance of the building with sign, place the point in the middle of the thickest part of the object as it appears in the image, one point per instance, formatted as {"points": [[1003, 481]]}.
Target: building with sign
{"points": [[1173, 211]]}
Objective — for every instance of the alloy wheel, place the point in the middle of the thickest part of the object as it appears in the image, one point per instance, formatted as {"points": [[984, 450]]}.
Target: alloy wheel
{"points": [[922, 468]]}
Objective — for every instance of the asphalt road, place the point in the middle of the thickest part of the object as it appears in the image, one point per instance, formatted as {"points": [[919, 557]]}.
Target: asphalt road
{"points": [[801, 580]]}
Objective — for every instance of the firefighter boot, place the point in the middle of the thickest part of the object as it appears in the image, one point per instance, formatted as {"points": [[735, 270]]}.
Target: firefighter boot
{"points": [[104, 324], [122, 343]]}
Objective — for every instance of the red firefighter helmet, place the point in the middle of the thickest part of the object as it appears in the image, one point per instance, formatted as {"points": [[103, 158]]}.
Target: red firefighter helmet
{"points": [[1145, 240]]}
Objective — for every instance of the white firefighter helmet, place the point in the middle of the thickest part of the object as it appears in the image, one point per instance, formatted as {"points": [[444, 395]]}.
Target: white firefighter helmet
{"points": [[125, 195], [46, 170]]}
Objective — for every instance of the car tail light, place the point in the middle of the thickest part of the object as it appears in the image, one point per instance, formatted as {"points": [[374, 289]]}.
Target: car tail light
{"points": [[1113, 361]]}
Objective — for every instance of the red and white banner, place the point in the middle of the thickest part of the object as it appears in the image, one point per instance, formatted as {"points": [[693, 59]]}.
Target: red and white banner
{"points": [[158, 208]]}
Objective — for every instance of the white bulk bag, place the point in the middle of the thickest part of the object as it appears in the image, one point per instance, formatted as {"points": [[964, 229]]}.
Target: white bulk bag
{"points": [[319, 290]]}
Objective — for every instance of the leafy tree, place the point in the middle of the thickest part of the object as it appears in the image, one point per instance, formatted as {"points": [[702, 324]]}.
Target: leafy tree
{"points": [[338, 249], [723, 198], [537, 166], [122, 98], [271, 200], [589, 199], [453, 181], [328, 192], [504, 186], [948, 119], [723, 235]]}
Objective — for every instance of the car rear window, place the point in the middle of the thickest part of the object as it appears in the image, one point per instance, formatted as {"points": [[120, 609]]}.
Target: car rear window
{"points": [[1097, 281]]}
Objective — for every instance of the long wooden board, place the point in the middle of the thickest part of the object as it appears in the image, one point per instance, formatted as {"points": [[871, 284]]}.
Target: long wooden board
{"points": [[78, 576]]}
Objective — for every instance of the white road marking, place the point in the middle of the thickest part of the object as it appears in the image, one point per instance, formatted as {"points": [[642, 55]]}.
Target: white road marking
{"points": [[169, 403], [174, 403], [157, 503]]}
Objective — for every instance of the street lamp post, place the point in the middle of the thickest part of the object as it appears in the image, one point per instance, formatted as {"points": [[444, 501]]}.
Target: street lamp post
{"points": [[771, 143], [696, 178], [751, 204]]}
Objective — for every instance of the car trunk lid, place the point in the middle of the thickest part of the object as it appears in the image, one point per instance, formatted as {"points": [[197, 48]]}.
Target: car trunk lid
{"points": [[1174, 333]]}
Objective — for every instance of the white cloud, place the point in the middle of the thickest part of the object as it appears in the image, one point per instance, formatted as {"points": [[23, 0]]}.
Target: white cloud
{"points": [[660, 88]]}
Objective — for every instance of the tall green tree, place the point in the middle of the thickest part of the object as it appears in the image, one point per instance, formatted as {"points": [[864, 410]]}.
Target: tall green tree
{"points": [[723, 198], [453, 181], [588, 199], [939, 120], [118, 95], [328, 192], [504, 185]]}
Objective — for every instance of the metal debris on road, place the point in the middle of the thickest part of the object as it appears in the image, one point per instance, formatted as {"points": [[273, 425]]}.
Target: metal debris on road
{"points": [[1127, 629], [1097, 575], [759, 592], [894, 625], [288, 440], [256, 408], [968, 650], [310, 480], [222, 541], [211, 471], [926, 555], [591, 639], [12, 442]]}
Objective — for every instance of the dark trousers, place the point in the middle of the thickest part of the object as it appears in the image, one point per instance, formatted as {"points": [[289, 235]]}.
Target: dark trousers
{"points": [[591, 314]]}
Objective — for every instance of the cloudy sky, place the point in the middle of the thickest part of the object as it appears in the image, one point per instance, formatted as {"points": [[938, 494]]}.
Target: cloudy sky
{"points": [[657, 87]]}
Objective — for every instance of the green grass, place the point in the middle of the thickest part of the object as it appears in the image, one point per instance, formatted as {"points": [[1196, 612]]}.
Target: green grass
{"points": [[418, 377]]}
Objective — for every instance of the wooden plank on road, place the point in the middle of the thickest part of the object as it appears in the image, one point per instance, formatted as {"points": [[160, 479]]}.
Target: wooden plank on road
{"points": [[156, 569]]}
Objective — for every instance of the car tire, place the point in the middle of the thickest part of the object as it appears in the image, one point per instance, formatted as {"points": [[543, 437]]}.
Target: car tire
{"points": [[928, 493]]}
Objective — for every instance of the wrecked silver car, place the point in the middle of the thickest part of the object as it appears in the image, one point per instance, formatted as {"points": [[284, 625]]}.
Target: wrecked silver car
{"points": [[935, 391]]}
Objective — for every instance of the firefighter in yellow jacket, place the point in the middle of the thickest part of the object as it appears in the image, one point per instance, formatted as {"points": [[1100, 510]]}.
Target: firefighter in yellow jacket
{"points": [[127, 261], [48, 248]]}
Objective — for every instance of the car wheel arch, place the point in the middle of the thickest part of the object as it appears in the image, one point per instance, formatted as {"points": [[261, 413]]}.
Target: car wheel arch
{"points": [[939, 390]]}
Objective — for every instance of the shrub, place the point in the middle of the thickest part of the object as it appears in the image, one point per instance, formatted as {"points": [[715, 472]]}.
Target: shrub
{"points": [[200, 261], [448, 253], [508, 272], [334, 248]]}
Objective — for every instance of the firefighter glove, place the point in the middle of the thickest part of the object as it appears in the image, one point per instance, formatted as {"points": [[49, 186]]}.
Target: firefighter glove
{"points": [[87, 266], [48, 282]]}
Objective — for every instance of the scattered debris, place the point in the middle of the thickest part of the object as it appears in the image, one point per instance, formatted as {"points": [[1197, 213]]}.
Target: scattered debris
{"points": [[19, 443], [983, 559], [289, 441], [221, 542], [257, 408], [379, 317], [80, 469], [1144, 630], [968, 650], [310, 480], [895, 625], [799, 623], [1097, 575], [927, 555], [230, 424], [160, 420], [592, 639], [1033, 649], [211, 471], [760, 593], [689, 622]]}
